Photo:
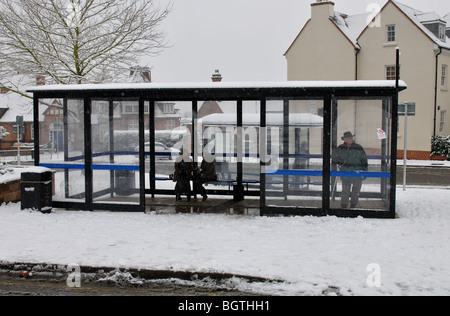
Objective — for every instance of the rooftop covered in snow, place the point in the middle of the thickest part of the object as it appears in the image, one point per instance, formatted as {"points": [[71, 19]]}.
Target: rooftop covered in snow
{"points": [[219, 90]]}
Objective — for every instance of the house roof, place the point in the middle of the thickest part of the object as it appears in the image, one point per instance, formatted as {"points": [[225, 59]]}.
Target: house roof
{"points": [[14, 105], [353, 26], [159, 111], [418, 17], [350, 26]]}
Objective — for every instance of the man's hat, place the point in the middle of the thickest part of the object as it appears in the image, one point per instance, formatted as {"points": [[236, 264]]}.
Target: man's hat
{"points": [[348, 135]]}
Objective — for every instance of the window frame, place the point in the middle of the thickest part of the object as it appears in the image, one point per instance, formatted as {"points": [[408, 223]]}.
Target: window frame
{"points": [[442, 121], [390, 72], [391, 33], [444, 76]]}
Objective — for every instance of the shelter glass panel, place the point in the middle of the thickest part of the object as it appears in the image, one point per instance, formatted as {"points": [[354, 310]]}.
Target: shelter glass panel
{"points": [[115, 150], [361, 154], [218, 121], [61, 142], [251, 115], [172, 132], [294, 148]]}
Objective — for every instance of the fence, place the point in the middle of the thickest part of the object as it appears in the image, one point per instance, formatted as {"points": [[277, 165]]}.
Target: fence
{"points": [[26, 155]]}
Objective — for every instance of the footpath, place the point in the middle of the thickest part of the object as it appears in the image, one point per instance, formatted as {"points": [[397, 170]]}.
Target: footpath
{"points": [[426, 173]]}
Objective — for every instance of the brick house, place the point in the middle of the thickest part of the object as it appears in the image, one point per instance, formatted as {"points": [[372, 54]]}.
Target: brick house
{"points": [[12, 105]]}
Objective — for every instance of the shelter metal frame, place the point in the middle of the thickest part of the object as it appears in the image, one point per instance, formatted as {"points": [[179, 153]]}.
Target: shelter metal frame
{"points": [[328, 92]]}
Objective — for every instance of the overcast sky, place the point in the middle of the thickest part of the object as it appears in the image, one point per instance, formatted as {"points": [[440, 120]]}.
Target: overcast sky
{"points": [[245, 39]]}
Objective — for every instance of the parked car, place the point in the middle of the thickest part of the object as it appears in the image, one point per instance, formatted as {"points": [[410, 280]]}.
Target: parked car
{"points": [[161, 151]]}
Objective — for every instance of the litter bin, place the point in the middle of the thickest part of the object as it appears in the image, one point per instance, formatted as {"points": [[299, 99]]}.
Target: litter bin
{"points": [[125, 182], [36, 190], [238, 193]]}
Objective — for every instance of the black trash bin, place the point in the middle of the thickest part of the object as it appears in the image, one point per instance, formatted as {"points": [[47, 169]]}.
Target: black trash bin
{"points": [[125, 182], [238, 193], [36, 190]]}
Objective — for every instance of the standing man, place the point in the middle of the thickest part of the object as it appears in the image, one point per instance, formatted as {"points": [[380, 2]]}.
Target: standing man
{"points": [[350, 157]]}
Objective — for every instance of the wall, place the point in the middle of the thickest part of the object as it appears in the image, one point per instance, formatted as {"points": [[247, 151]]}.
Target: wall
{"points": [[321, 51], [10, 192], [417, 70]]}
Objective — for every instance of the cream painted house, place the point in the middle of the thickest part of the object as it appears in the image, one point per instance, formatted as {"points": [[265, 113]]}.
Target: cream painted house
{"points": [[335, 46]]}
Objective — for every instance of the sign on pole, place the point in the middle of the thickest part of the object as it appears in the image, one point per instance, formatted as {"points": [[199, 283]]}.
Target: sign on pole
{"points": [[19, 129], [406, 109]]}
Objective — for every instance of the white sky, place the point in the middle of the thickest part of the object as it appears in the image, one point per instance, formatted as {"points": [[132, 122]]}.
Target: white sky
{"points": [[245, 39]]}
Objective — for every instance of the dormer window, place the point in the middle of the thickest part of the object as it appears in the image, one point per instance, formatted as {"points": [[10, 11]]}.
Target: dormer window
{"points": [[442, 35], [169, 108], [437, 28]]}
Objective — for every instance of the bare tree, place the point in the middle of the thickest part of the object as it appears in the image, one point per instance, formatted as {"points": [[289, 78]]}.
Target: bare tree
{"points": [[78, 41]]}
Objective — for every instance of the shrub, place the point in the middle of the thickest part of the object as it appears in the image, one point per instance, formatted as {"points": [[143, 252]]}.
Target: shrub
{"points": [[441, 146]]}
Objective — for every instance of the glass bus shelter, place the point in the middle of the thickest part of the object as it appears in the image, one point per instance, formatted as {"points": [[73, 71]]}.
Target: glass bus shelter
{"points": [[112, 145]]}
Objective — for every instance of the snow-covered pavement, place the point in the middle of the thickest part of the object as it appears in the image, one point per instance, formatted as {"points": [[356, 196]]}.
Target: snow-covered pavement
{"points": [[408, 256]]}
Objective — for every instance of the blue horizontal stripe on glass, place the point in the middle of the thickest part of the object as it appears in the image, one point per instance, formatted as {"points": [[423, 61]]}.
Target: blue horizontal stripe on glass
{"points": [[344, 174], [360, 174], [61, 166], [94, 167], [312, 173], [115, 167]]}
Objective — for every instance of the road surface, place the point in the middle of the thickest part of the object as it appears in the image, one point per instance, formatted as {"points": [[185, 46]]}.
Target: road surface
{"points": [[11, 284]]}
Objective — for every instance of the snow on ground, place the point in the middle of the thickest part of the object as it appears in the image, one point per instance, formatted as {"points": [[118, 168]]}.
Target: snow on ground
{"points": [[309, 254]]}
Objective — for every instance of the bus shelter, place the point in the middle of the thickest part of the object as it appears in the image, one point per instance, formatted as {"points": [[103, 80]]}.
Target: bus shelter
{"points": [[113, 145]]}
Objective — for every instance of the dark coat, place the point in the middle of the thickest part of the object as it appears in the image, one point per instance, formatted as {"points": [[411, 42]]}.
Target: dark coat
{"points": [[351, 158], [208, 171], [182, 175]]}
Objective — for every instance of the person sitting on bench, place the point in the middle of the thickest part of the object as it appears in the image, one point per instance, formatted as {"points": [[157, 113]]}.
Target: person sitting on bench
{"points": [[182, 175], [204, 174]]}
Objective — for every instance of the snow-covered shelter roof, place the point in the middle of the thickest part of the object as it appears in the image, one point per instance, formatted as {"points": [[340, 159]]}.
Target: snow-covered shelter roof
{"points": [[362, 84]]}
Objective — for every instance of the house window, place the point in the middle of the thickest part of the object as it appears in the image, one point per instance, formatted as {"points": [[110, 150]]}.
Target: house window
{"points": [[442, 122], [312, 107], [133, 125], [170, 125], [444, 76], [442, 35], [169, 108], [134, 109], [390, 33], [390, 72]]}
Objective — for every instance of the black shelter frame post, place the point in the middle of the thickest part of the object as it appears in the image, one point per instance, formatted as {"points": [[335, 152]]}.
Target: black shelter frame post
{"points": [[330, 93]]}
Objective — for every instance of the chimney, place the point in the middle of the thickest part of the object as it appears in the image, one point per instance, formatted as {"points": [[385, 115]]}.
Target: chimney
{"points": [[217, 76], [40, 80], [322, 10], [140, 74], [146, 74]]}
